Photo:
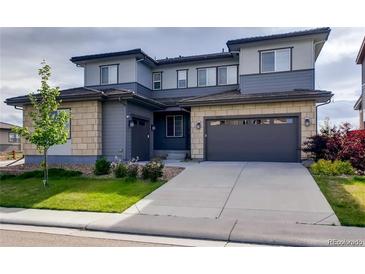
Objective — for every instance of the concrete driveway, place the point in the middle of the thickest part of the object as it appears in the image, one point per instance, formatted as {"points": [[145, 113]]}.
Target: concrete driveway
{"points": [[261, 192]]}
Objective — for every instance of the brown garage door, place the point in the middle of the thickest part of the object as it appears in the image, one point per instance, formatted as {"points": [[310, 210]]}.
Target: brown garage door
{"points": [[269, 139]]}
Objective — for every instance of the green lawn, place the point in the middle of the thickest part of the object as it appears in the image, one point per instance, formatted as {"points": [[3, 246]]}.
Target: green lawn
{"points": [[76, 193], [346, 196]]}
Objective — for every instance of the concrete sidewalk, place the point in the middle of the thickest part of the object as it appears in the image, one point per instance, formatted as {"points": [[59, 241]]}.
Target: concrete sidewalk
{"points": [[229, 230]]}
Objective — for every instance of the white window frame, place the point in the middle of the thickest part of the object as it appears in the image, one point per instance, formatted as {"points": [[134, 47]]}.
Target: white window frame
{"points": [[206, 77], [275, 66], [186, 77], [153, 80], [182, 126], [226, 67], [12, 140], [101, 74]]}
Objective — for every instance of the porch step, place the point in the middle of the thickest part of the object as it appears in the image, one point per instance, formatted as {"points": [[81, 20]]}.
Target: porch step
{"points": [[176, 155]]}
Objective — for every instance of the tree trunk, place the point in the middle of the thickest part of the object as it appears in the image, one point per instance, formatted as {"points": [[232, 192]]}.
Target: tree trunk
{"points": [[45, 168]]}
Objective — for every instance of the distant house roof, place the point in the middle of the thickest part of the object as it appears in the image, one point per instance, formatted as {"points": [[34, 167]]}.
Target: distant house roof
{"points": [[325, 31], [84, 93], [361, 54], [235, 96], [358, 104], [4, 125]]}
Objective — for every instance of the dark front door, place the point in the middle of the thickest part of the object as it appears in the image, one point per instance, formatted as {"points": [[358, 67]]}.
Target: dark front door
{"points": [[141, 139], [273, 139]]}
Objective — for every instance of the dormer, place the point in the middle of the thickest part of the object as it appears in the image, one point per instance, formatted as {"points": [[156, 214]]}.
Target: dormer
{"points": [[281, 62]]}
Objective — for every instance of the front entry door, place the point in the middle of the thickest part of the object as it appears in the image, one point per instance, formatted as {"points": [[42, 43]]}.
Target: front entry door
{"points": [[141, 139]]}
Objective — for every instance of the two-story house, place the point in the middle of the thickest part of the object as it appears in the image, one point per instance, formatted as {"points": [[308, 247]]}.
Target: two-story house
{"points": [[359, 105], [255, 102]]}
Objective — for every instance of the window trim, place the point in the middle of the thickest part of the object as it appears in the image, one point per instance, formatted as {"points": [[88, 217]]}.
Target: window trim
{"points": [[17, 140], [100, 75], [197, 76], [153, 81], [226, 66], [274, 50], [177, 78], [182, 126]]}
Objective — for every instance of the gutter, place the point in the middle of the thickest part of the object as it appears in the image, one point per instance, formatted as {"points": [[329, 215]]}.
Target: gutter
{"points": [[317, 106]]}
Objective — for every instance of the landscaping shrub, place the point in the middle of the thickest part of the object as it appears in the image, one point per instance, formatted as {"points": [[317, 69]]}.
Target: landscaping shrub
{"points": [[153, 170], [52, 172], [338, 144], [120, 170], [102, 166], [332, 168], [132, 170]]}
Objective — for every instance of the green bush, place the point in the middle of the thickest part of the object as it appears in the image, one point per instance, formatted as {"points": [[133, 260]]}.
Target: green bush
{"points": [[329, 168], [120, 170], [153, 170], [132, 170], [52, 172], [102, 166], [4, 176]]}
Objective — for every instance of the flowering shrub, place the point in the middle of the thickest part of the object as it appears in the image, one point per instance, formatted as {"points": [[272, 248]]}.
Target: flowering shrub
{"points": [[120, 170], [332, 168], [338, 144], [153, 170], [132, 170]]}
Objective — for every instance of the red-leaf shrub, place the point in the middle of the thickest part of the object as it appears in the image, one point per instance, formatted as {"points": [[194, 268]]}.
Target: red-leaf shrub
{"points": [[338, 144]]}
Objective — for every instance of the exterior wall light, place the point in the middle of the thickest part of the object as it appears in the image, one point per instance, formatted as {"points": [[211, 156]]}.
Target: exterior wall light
{"points": [[131, 123], [307, 122], [153, 127], [198, 125]]}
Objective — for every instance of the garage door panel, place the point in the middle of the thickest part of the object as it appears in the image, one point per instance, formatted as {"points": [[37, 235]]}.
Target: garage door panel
{"points": [[241, 140]]}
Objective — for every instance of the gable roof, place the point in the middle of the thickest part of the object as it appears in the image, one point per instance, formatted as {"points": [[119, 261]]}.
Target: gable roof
{"points": [[361, 54], [358, 104], [325, 31]]}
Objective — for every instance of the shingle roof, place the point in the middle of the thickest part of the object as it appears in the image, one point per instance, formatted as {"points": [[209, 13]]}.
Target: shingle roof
{"points": [[195, 58], [235, 96], [279, 36]]}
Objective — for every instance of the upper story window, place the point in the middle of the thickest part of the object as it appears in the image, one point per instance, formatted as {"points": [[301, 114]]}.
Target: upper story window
{"points": [[207, 77], [227, 75], [157, 80], [275, 60], [108, 74], [182, 78], [13, 137]]}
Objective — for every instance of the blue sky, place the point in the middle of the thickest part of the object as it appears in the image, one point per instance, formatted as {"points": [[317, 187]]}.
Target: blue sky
{"points": [[22, 50]]}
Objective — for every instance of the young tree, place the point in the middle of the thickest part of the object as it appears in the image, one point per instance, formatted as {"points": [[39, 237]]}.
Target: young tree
{"points": [[49, 125]]}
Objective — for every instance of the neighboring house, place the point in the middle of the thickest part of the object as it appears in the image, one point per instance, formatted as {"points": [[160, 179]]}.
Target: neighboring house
{"points": [[359, 105], [256, 102], [9, 140]]}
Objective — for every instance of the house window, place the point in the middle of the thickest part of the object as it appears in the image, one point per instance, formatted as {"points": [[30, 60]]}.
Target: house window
{"points": [[174, 126], [109, 74], [157, 80], [13, 137], [182, 78], [276, 60], [227, 75], [207, 77], [68, 123]]}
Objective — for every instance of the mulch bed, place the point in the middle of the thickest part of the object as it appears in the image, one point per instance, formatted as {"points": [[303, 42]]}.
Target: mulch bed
{"points": [[87, 170]]}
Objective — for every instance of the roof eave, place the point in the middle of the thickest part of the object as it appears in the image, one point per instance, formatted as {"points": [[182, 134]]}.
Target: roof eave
{"points": [[361, 54]]}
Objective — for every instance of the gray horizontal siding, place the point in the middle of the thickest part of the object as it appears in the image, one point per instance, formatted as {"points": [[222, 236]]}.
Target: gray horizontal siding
{"points": [[114, 129], [281, 81], [61, 159], [188, 92]]}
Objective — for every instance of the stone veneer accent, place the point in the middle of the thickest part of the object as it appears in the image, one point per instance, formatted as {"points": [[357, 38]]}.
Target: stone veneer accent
{"points": [[306, 108], [86, 128]]}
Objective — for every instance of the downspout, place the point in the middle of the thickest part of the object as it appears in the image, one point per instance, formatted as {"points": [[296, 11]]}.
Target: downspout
{"points": [[317, 106]]}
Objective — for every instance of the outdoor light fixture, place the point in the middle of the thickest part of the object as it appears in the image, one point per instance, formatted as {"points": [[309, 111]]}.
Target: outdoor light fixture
{"points": [[198, 125], [153, 127], [131, 123], [307, 122]]}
